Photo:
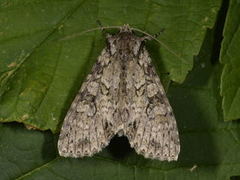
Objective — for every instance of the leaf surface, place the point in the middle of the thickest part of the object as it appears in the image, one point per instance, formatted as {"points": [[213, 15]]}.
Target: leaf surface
{"points": [[230, 58]]}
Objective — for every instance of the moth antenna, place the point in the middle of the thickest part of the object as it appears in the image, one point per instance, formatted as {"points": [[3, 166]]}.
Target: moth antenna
{"points": [[101, 26], [120, 27], [160, 42], [159, 33], [99, 23], [89, 30]]}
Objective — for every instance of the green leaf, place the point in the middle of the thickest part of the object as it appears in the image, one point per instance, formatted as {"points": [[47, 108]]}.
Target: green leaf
{"points": [[22, 150], [209, 146], [230, 58], [40, 74]]}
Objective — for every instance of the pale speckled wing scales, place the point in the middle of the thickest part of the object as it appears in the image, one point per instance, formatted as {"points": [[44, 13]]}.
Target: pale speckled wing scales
{"points": [[151, 128], [124, 95], [89, 124]]}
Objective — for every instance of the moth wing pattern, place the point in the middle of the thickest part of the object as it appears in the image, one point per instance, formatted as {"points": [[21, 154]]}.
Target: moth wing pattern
{"points": [[90, 122], [151, 128], [122, 95]]}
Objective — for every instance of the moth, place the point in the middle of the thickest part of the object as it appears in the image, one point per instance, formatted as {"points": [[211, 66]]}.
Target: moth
{"points": [[122, 95]]}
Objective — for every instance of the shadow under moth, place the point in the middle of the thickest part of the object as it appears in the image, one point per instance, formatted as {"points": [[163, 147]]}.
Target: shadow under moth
{"points": [[122, 95]]}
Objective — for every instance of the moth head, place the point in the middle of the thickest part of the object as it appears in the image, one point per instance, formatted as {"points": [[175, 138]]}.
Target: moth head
{"points": [[125, 44], [125, 28]]}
